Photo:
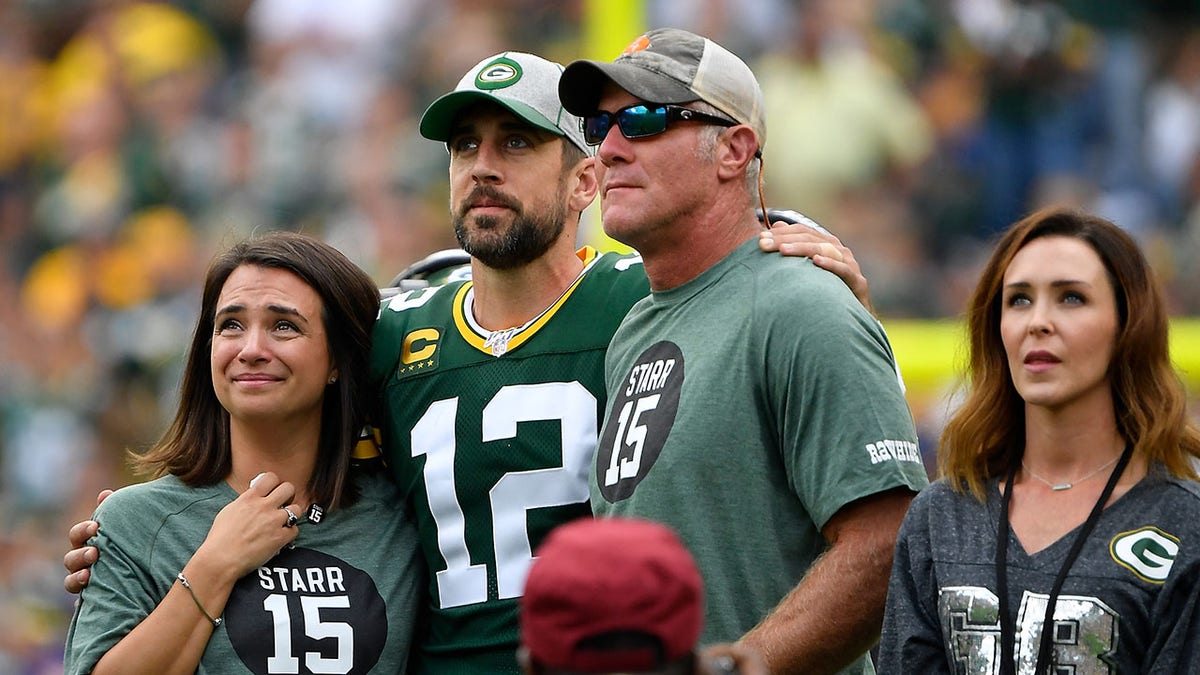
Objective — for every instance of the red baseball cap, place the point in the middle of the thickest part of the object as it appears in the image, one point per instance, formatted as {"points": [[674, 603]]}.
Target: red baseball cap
{"points": [[605, 576]]}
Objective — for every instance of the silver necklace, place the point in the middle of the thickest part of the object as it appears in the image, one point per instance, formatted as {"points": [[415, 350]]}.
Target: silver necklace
{"points": [[1067, 486]]}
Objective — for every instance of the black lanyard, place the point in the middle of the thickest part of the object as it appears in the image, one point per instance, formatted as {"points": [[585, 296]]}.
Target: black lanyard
{"points": [[1007, 627]]}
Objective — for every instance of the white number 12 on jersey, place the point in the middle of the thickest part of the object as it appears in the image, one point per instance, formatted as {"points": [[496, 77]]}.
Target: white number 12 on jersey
{"points": [[463, 583]]}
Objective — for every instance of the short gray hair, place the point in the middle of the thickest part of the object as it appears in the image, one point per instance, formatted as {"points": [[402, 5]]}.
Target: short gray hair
{"points": [[708, 145]]}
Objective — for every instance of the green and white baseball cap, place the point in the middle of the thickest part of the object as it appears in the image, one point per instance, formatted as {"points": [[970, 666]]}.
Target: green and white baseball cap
{"points": [[525, 84]]}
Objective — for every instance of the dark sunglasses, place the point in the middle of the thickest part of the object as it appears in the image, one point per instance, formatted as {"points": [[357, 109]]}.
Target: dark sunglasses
{"points": [[643, 120]]}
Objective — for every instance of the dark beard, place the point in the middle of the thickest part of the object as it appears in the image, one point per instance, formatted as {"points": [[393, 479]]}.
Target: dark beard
{"points": [[527, 238]]}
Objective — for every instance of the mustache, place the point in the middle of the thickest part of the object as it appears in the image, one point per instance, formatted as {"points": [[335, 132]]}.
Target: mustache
{"points": [[490, 193]]}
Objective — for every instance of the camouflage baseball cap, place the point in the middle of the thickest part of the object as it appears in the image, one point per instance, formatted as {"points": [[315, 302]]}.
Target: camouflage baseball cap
{"points": [[525, 84], [670, 65]]}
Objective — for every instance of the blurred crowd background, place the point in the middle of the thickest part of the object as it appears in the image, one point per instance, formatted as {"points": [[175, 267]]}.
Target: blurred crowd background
{"points": [[138, 137]]}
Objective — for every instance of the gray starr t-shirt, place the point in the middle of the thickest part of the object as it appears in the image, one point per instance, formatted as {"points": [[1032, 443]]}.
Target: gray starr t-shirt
{"points": [[342, 599]]}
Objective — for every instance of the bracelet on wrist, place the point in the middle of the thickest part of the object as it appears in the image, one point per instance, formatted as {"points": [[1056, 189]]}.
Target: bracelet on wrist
{"points": [[183, 580]]}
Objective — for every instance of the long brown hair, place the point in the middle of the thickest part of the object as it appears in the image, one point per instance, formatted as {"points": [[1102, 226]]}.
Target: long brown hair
{"points": [[196, 445], [987, 433]]}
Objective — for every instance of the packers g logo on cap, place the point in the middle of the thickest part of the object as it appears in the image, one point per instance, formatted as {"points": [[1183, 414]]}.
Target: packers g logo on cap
{"points": [[1148, 552], [503, 72]]}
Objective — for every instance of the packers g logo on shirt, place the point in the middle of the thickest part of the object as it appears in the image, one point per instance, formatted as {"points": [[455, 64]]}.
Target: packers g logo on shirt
{"points": [[503, 72], [1148, 552]]}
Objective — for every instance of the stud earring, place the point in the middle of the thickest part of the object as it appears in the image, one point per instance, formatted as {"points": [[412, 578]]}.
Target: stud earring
{"points": [[332, 379]]}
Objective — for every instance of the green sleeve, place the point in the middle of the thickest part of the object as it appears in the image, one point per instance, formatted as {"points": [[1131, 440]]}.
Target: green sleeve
{"points": [[844, 425], [120, 593]]}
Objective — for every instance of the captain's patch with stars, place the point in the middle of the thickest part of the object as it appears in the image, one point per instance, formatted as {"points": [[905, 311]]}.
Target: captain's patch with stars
{"points": [[306, 612], [643, 412]]}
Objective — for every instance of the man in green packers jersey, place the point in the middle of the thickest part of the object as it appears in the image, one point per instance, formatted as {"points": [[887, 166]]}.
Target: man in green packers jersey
{"points": [[491, 390]]}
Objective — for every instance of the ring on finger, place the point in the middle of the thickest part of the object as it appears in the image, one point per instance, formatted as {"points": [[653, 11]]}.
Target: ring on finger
{"points": [[291, 517]]}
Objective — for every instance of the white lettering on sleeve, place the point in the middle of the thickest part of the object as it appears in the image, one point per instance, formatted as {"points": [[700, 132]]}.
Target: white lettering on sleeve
{"points": [[894, 450]]}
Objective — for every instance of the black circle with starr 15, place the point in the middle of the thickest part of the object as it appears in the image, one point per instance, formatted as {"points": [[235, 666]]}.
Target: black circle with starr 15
{"points": [[306, 611]]}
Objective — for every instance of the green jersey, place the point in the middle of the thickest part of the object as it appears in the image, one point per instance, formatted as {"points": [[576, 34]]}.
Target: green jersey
{"points": [[490, 435]]}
